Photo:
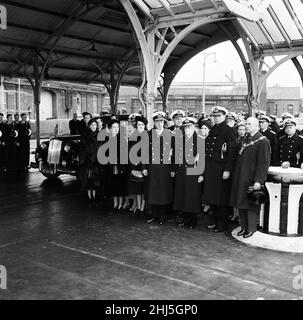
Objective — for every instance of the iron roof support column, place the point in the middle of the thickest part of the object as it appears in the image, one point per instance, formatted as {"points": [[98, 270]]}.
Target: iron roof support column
{"points": [[146, 44], [254, 58], [36, 84], [113, 83], [246, 65], [298, 67], [163, 90], [121, 75]]}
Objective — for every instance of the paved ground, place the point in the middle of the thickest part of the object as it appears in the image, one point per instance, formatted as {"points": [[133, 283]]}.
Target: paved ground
{"points": [[54, 247]]}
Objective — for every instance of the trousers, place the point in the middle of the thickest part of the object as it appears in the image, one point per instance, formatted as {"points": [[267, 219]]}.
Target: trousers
{"points": [[248, 220]]}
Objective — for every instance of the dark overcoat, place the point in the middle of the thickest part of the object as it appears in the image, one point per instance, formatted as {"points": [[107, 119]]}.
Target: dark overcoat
{"points": [[89, 172], [4, 128], [135, 185], [253, 161], [291, 150], [275, 127], [220, 153], [12, 147], [158, 189], [273, 139], [188, 192], [74, 127], [117, 175], [24, 134]]}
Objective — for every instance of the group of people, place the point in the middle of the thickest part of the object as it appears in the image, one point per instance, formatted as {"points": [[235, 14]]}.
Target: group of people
{"points": [[238, 153], [15, 133]]}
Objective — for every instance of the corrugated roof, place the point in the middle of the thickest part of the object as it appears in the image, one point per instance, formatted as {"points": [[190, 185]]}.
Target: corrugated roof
{"points": [[103, 25]]}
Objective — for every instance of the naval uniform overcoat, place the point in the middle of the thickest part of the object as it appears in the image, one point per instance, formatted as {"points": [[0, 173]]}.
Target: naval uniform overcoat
{"points": [[24, 130], [188, 192], [253, 161], [158, 189], [13, 147], [220, 153], [4, 129], [272, 137], [291, 150]]}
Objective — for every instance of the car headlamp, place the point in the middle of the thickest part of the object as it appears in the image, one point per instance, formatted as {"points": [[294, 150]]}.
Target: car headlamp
{"points": [[43, 146]]}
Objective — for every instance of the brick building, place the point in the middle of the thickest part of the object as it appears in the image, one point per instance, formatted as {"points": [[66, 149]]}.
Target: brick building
{"points": [[188, 96], [59, 100]]}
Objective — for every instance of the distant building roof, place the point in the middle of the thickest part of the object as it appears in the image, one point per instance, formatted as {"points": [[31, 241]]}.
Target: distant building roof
{"points": [[181, 89], [213, 89], [283, 93]]}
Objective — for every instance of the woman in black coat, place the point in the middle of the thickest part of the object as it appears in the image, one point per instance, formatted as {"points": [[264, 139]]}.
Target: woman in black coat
{"points": [[135, 184], [89, 174], [117, 173]]}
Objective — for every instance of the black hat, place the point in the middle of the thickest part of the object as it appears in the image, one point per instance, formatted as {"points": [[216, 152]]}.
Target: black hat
{"points": [[96, 118], [111, 122], [91, 121], [106, 119], [122, 117], [257, 197], [205, 123], [141, 119]]}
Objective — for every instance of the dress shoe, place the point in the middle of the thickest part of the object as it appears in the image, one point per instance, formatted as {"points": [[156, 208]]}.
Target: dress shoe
{"points": [[151, 220], [211, 226], [217, 230], [248, 235], [241, 233]]}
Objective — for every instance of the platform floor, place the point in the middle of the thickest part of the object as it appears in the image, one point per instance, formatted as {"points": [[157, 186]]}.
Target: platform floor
{"points": [[55, 247]]}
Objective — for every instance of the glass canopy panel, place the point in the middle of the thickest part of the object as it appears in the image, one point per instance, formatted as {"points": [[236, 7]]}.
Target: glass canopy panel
{"points": [[154, 4], [255, 32], [271, 27], [173, 2], [286, 20], [297, 6]]}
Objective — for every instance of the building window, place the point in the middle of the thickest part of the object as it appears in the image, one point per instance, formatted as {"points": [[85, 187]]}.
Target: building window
{"points": [[135, 103], [276, 110], [185, 103], [290, 108], [79, 104]]}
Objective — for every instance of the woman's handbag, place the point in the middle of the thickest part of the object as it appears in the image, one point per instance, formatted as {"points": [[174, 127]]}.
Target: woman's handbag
{"points": [[136, 176]]}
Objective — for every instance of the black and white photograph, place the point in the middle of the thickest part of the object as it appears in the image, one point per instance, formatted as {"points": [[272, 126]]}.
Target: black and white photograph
{"points": [[151, 153]]}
